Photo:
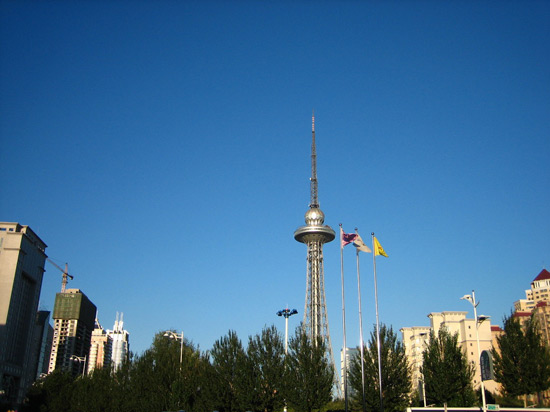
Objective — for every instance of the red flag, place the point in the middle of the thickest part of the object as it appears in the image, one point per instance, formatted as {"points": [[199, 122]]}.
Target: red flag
{"points": [[347, 238]]}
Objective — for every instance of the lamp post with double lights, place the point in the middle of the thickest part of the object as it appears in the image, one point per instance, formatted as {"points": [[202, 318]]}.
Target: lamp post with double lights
{"points": [[287, 313], [177, 336], [80, 359], [472, 299]]}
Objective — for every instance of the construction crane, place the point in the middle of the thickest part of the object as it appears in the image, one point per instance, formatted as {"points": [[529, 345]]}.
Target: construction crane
{"points": [[65, 274]]}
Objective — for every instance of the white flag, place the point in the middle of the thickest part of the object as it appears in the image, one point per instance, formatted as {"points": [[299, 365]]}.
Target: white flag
{"points": [[360, 245]]}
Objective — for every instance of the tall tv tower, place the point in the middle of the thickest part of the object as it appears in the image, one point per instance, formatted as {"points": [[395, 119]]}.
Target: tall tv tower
{"points": [[314, 234]]}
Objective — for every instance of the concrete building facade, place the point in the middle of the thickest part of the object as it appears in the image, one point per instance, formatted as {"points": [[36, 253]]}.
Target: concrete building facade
{"points": [[100, 349], [541, 314], [43, 335], [22, 259], [416, 339], [456, 322], [539, 292]]}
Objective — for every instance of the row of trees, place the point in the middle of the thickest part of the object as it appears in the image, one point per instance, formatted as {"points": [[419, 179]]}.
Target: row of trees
{"points": [[228, 378], [447, 374], [231, 378], [521, 366]]}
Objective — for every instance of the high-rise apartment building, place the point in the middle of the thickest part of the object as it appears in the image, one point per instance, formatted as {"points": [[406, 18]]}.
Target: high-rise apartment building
{"points": [[541, 313], [539, 292], [540, 288], [22, 258], [536, 304], [74, 319], [121, 342], [43, 335], [100, 348]]}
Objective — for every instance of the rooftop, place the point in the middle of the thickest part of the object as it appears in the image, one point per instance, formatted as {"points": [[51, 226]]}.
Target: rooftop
{"points": [[543, 275]]}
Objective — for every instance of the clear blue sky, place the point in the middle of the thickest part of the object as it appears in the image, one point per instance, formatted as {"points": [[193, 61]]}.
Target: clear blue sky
{"points": [[162, 149]]}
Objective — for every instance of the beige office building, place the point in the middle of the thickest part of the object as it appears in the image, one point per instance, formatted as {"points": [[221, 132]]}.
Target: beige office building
{"points": [[416, 339], [100, 348], [22, 258], [456, 322]]}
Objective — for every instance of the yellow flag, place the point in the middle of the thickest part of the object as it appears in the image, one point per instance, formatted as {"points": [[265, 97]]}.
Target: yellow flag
{"points": [[378, 249]]}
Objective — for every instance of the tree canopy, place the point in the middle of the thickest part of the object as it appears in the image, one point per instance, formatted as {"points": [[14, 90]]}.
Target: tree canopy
{"points": [[309, 374], [522, 359], [447, 373], [396, 377], [266, 360], [228, 378]]}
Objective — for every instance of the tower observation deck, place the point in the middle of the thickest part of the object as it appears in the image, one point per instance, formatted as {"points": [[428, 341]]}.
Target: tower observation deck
{"points": [[315, 234]]}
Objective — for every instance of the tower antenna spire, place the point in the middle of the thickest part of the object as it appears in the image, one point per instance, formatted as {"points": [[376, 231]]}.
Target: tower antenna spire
{"points": [[314, 203], [314, 234]]}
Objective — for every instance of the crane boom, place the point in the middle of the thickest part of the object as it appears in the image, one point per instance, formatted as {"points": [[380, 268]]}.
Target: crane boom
{"points": [[66, 275]]}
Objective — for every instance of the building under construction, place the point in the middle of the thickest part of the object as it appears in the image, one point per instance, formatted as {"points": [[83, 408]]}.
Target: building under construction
{"points": [[74, 320]]}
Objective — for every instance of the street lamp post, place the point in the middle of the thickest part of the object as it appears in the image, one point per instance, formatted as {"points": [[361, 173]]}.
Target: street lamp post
{"points": [[472, 299], [80, 359], [173, 335], [287, 313]]}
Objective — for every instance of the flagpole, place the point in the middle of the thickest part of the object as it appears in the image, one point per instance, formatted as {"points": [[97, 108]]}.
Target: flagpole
{"points": [[345, 371], [361, 329], [374, 252]]}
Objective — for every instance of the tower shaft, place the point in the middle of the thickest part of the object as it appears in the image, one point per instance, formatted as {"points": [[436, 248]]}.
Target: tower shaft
{"points": [[315, 311], [314, 234]]}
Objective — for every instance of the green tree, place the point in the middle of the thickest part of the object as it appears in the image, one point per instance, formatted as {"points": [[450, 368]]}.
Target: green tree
{"points": [[229, 363], [309, 374], [447, 373], [155, 373], [202, 399], [93, 392], [155, 381], [122, 386], [396, 376], [159, 381], [51, 393], [266, 359], [522, 361]]}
